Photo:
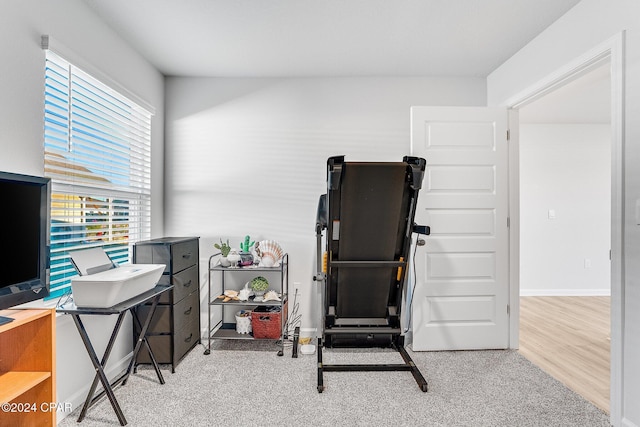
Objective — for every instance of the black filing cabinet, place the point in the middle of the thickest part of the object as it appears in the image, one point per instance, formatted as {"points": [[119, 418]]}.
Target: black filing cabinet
{"points": [[175, 326]]}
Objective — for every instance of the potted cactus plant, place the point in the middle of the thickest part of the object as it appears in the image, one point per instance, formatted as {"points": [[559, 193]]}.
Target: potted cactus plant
{"points": [[246, 245], [246, 258], [224, 249], [259, 286]]}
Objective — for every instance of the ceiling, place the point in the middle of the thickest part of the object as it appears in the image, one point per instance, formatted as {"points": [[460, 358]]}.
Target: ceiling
{"points": [[326, 38], [316, 38]]}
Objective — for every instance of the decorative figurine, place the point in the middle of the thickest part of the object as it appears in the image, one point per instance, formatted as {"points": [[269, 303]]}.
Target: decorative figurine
{"points": [[233, 258]]}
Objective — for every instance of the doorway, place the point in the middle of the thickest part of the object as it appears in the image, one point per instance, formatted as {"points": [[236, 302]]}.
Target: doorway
{"points": [[565, 233], [611, 50]]}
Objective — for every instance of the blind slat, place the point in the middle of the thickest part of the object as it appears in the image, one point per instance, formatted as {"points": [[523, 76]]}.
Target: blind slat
{"points": [[98, 155]]}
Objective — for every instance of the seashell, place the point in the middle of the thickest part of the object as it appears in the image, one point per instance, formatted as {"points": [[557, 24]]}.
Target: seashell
{"points": [[271, 296], [267, 260], [270, 247], [244, 293]]}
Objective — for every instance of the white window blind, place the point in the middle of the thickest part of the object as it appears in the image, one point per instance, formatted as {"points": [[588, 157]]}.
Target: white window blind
{"points": [[97, 154]]}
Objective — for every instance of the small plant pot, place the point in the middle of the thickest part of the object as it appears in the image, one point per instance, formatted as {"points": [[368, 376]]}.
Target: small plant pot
{"points": [[259, 295], [224, 262]]}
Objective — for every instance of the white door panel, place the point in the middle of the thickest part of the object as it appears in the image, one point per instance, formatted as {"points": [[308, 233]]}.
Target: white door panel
{"points": [[461, 296], [469, 178], [461, 222], [453, 247], [462, 309], [455, 266]]}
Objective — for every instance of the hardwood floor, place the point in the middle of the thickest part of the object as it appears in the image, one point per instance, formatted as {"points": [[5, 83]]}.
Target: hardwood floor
{"points": [[569, 338]]}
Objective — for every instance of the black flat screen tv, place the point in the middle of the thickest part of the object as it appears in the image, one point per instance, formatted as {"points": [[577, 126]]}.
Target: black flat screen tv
{"points": [[24, 238]]}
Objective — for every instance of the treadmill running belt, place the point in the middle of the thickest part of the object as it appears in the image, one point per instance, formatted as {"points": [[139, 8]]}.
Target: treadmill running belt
{"points": [[370, 214]]}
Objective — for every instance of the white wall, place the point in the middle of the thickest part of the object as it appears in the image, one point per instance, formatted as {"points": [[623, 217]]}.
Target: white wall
{"points": [[73, 25], [565, 168], [248, 156], [588, 24]]}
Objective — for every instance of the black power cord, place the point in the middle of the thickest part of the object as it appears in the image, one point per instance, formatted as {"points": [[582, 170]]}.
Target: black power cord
{"points": [[415, 281]]}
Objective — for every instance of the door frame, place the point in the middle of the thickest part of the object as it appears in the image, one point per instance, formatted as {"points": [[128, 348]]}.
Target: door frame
{"points": [[611, 50]]}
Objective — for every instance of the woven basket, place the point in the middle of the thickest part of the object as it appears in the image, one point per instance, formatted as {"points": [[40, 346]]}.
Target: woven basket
{"points": [[267, 324]]}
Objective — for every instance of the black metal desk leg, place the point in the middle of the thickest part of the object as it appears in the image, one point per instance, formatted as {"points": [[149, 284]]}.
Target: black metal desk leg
{"points": [[142, 338], [151, 355], [99, 367]]}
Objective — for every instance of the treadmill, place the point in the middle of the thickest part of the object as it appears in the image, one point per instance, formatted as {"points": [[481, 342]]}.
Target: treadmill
{"points": [[367, 218]]}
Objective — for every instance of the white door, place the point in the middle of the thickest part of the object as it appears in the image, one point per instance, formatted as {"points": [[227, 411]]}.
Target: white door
{"points": [[462, 290]]}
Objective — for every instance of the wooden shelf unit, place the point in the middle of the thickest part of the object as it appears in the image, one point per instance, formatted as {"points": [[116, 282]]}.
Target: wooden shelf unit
{"points": [[27, 367]]}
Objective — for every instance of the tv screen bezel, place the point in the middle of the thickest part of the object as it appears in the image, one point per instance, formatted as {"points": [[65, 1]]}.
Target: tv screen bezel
{"points": [[38, 288]]}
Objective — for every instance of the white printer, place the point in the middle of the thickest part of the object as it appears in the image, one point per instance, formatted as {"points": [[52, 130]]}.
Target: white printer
{"points": [[102, 283]]}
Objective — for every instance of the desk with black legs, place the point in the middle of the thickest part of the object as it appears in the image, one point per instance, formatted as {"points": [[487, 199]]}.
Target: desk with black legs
{"points": [[120, 309]]}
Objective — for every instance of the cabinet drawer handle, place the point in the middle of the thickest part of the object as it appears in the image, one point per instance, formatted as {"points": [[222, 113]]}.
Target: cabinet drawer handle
{"points": [[187, 256], [188, 339], [186, 285], [188, 312]]}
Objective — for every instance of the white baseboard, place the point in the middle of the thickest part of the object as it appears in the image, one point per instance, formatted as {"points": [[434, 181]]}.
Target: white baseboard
{"points": [[565, 292], [627, 423]]}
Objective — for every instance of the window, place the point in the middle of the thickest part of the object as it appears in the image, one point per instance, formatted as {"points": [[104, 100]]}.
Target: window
{"points": [[97, 154]]}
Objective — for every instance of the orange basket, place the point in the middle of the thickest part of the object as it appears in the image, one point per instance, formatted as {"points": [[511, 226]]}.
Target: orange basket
{"points": [[267, 324]]}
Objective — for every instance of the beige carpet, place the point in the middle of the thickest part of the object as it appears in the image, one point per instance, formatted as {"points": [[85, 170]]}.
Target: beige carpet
{"points": [[239, 386]]}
